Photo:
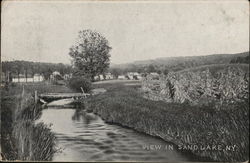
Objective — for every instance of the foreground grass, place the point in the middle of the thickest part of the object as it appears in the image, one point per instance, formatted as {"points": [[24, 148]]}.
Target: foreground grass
{"points": [[181, 124], [21, 138]]}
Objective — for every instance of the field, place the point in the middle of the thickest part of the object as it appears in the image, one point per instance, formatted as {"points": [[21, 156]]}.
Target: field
{"points": [[182, 124], [40, 87]]}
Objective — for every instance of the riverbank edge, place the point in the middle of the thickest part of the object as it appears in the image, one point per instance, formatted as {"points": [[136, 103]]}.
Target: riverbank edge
{"points": [[113, 115], [25, 136], [22, 139], [202, 158]]}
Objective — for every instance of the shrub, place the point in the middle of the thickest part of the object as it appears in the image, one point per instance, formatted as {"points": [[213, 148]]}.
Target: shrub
{"points": [[76, 83]]}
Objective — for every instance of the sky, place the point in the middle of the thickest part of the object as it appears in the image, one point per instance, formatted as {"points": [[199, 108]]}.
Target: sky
{"points": [[44, 31]]}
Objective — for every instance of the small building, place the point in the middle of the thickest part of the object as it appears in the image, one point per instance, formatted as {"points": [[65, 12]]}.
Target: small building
{"points": [[28, 78], [56, 76], [139, 77], [38, 77], [130, 75], [106, 76], [109, 76], [55, 73], [3, 78], [98, 77], [101, 77], [121, 77], [67, 76], [154, 75], [134, 76]]}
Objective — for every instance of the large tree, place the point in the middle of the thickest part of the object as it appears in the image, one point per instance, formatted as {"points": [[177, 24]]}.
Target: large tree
{"points": [[90, 55]]}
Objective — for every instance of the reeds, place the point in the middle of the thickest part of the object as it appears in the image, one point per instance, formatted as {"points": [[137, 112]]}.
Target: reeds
{"points": [[25, 140]]}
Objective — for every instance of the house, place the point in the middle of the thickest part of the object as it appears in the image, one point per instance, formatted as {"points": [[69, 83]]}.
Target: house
{"points": [[38, 77], [130, 75], [122, 77], [139, 77], [67, 76], [101, 77], [98, 77], [106, 76], [55, 73], [19, 78], [56, 76], [134, 76], [28, 78], [109, 76], [154, 75]]}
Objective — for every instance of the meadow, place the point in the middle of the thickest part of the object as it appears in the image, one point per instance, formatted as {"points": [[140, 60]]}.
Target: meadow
{"points": [[179, 123]]}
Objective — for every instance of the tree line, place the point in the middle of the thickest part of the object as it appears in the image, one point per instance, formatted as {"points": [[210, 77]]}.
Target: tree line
{"points": [[241, 60], [29, 69]]}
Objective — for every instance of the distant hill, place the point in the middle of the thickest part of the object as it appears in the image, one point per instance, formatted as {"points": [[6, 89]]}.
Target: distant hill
{"points": [[213, 68], [179, 63], [241, 59]]}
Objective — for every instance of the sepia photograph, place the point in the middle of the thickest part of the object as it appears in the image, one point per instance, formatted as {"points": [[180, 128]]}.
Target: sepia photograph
{"points": [[125, 81]]}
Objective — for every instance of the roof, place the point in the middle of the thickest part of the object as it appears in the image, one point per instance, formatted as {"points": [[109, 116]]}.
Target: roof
{"points": [[154, 73], [56, 73]]}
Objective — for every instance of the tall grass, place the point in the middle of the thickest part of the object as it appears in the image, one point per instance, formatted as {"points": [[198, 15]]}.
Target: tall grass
{"points": [[175, 122], [22, 139]]}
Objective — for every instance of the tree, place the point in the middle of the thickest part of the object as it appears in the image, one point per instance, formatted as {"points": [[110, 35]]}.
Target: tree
{"points": [[166, 71], [151, 68], [46, 72], [116, 72], [90, 55]]}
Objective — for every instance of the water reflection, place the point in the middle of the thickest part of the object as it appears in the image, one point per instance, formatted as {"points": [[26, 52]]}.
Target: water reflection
{"points": [[81, 115], [86, 137]]}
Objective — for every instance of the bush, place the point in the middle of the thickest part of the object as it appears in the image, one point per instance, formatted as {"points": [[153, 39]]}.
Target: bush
{"points": [[76, 83]]}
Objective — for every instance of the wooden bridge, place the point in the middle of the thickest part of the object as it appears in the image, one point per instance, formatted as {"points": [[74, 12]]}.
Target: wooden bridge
{"points": [[48, 97]]}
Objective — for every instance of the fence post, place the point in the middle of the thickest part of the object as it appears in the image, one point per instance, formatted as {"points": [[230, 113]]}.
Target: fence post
{"points": [[23, 91], [82, 90], [36, 97]]}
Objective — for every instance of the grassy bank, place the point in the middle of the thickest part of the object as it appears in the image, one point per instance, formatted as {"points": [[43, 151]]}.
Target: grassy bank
{"points": [[21, 138], [181, 124]]}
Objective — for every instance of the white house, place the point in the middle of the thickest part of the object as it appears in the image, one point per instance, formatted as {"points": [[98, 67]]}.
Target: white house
{"points": [[54, 74], [121, 77], [67, 76], [154, 75], [109, 76], [22, 78], [130, 75], [38, 77], [134, 76]]}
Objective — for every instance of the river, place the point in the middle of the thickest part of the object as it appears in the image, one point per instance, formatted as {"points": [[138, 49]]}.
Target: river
{"points": [[83, 136]]}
